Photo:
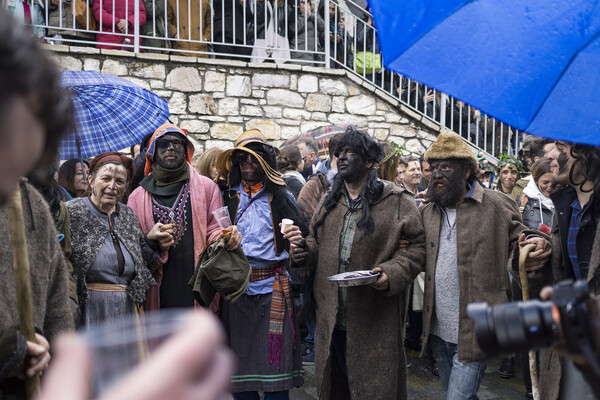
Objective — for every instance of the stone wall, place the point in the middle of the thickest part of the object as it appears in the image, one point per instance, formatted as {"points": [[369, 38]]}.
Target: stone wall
{"points": [[216, 100]]}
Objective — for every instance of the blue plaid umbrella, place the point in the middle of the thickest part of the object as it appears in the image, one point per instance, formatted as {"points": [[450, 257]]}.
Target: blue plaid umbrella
{"points": [[111, 114]]}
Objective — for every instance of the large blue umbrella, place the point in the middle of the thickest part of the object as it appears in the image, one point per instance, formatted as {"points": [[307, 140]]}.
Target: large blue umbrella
{"points": [[533, 64], [111, 113]]}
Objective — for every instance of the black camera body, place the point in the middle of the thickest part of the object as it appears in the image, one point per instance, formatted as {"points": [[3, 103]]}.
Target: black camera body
{"points": [[535, 324]]}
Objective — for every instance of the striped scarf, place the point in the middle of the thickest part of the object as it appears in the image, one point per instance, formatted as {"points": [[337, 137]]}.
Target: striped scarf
{"points": [[282, 295]]}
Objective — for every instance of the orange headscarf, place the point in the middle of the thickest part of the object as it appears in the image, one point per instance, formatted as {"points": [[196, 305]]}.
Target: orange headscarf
{"points": [[161, 131]]}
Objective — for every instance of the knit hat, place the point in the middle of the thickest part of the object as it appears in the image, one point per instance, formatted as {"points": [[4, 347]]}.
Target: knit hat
{"points": [[225, 161], [162, 131], [450, 145]]}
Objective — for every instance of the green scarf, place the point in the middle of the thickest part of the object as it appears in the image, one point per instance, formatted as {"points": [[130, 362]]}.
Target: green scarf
{"points": [[164, 177]]}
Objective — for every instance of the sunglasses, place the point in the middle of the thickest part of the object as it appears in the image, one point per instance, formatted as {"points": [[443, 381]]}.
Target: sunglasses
{"points": [[163, 144], [242, 158]]}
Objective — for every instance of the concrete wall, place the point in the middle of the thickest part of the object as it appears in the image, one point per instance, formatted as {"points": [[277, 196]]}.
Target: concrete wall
{"points": [[216, 100]]}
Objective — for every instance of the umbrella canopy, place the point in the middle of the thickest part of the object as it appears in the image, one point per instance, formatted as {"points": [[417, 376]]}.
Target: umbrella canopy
{"points": [[322, 135], [533, 64], [111, 113]]}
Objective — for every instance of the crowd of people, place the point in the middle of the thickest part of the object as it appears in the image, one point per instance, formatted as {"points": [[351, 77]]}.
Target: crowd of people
{"points": [[113, 237]]}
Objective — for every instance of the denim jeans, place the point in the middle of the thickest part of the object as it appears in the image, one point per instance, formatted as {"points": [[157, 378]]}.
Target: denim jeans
{"points": [[282, 395], [460, 380]]}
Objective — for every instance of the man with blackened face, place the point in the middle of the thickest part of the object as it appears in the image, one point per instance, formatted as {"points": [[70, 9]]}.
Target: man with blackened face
{"points": [[183, 200], [469, 232], [359, 226], [260, 324]]}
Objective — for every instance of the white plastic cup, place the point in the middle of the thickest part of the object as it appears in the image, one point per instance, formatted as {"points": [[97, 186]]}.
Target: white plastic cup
{"points": [[222, 217], [285, 223], [119, 346]]}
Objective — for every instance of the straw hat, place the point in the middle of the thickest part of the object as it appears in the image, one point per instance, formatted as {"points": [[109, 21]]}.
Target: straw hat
{"points": [[225, 162]]}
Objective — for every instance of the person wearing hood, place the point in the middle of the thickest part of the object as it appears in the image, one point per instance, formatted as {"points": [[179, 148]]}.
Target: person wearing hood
{"points": [[538, 207], [176, 195], [357, 226]]}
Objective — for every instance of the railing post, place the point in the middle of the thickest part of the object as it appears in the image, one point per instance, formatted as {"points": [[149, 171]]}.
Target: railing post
{"points": [[136, 26], [327, 36]]}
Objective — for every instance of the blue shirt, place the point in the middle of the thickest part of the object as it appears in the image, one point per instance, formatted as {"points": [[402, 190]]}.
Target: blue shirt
{"points": [[574, 224], [255, 224]]}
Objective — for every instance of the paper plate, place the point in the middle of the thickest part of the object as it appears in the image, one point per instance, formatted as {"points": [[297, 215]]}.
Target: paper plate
{"points": [[354, 278]]}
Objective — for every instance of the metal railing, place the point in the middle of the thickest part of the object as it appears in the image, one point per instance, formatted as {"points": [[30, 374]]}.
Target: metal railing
{"points": [[329, 33]]}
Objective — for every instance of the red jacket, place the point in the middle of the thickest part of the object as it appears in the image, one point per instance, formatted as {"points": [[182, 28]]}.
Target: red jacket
{"points": [[123, 9]]}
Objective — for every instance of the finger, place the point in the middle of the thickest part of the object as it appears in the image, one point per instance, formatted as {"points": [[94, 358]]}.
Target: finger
{"points": [[40, 365], [217, 381], [546, 293], [69, 376], [521, 238], [183, 358], [34, 349]]}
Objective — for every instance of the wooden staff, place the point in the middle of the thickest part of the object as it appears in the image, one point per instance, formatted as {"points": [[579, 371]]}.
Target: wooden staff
{"points": [[535, 387], [22, 279]]}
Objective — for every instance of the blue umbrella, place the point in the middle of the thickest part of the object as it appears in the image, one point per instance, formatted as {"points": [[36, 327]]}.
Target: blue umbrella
{"points": [[533, 64], [111, 113]]}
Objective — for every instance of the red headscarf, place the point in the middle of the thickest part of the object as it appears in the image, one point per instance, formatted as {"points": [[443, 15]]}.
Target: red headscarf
{"points": [[113, 156]]}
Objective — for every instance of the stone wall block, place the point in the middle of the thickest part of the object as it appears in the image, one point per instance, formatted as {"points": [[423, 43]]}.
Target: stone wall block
{"points": [[69, 63], [202, 104], [219, 144], [402, 131], [318, 116], [113, 67], [347, 119], [288, 132], [165, 94], [273, 111], [395, 118], [381, 134], [336, 87], [184, 79], [258, 94], [238, 86], [270, 129], [195, 126], [309, 125], [229, 106], [338, 104], [361, 105], [308, 84], [414, 146], [140, 82], [293, 113], [318, 102], [270, 80], [226, 131], [157, 84], [214, 81], [251, 102], [251, 111], [148, 71], [284, 97], [91, 64], [177, 103]]}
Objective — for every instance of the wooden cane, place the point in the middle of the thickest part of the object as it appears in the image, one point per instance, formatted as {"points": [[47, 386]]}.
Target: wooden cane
{"points": [[535, 388], [22, 279]]}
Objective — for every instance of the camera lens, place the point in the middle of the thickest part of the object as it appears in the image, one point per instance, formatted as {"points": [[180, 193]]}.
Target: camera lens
{"points": [[513, 327]]}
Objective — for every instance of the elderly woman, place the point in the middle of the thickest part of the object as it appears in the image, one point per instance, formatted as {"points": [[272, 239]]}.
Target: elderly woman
{"points": [[110, 255]]}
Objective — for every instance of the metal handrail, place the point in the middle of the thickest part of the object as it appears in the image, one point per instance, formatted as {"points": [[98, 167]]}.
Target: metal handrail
{"points": [[328, 34]]}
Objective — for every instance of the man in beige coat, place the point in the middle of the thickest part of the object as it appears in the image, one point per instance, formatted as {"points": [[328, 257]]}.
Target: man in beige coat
{"points": [[469, 233], [358, 226]]}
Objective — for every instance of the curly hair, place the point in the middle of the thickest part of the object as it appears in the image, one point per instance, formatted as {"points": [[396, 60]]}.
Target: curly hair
{"points": [[370, 151], [588, 158], [27, 71]]}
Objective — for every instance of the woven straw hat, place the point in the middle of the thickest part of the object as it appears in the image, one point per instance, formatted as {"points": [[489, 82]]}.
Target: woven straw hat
{"points": [[225, 162]]}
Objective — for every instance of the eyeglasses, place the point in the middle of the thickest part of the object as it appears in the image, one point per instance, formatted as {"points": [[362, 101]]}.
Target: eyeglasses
{"points": [[163, 144], [242, 158]]}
